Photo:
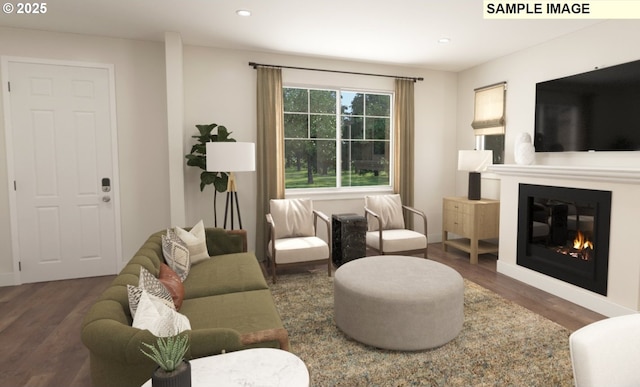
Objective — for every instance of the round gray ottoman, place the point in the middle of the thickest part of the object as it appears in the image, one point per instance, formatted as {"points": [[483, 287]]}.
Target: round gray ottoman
{"points": [[399, 303]]}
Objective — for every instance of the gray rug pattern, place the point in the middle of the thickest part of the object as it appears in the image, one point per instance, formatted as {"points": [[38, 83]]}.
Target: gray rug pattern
{"points": [[501, 343]]}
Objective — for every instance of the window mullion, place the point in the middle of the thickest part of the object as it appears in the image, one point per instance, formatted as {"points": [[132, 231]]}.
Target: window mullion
{"points": [[338, 140], [309, 114]]}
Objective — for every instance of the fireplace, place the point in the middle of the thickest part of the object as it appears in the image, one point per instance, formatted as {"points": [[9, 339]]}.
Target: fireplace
{"points": [[564, 233]]}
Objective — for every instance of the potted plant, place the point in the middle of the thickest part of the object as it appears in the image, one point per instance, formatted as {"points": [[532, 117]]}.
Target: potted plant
{"points": [[198, 155], [168, 353], [198, 158]]}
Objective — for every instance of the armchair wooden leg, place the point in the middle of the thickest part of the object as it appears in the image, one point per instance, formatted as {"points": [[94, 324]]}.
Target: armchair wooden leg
{"points": [[273, 270]]}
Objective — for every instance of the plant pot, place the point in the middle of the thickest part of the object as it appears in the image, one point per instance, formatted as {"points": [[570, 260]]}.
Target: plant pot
{"points": [[180, 377]]}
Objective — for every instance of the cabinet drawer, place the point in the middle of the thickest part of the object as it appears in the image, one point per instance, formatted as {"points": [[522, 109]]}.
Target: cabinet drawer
{"points": [[457, 223], [455, 206]]}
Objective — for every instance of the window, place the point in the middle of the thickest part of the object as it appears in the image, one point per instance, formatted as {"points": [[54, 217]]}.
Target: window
{"points": [[493, 142], [488, 119], [337, 138]]}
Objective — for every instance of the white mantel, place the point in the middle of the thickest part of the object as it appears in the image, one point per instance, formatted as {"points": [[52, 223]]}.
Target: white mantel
{"points": [[623, 295], [616, 175]]}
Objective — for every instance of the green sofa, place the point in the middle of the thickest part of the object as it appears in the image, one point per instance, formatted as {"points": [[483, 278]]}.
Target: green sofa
{"points": [[226, 299]]}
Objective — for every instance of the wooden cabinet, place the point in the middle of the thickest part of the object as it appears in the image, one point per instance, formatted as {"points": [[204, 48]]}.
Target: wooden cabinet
{"points": [[473, 221]]}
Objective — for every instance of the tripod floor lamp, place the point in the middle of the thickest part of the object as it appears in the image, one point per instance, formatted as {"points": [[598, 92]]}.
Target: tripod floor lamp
{"points": [[231, 157]]}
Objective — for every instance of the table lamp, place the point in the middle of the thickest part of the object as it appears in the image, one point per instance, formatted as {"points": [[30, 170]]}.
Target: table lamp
{"points": [[231, 157], [474, 161]]}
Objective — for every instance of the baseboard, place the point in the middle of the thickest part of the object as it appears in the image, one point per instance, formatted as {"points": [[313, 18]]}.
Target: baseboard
{"points": [[579, 296], [7, 279], [434, 238]]}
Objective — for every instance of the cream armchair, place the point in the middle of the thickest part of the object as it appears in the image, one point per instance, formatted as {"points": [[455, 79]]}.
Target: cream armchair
{"points": [[606, 352], [386, 226], [292, 235]]}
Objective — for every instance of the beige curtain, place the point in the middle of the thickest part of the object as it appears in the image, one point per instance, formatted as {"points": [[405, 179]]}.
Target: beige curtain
{"points": [[269, 149], [403, 154]]}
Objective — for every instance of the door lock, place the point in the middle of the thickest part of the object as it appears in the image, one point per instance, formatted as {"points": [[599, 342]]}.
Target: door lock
{"points": [[106, 185]]}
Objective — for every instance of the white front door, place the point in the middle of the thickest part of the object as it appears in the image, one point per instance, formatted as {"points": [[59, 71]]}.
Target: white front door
{"points": [[65, 211]]}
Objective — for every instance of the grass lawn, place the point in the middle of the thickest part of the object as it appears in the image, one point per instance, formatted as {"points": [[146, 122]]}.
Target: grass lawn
{"points": [[298, 179]]}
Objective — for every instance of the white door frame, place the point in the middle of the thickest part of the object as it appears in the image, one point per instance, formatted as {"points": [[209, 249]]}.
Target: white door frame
{"points": [[13, 210]]}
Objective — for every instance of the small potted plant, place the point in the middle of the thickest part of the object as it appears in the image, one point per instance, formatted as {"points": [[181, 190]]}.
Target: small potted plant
{"points": [[173, 370]]}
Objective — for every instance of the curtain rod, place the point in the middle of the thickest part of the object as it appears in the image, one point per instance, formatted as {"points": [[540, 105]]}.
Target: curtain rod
{"points": [[256, 65]]}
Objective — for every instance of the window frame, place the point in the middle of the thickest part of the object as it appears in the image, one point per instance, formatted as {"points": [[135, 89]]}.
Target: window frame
{"points": [[338, 191]]}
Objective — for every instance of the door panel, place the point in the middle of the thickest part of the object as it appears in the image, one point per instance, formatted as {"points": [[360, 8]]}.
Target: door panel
{"points": [[62, 149]]}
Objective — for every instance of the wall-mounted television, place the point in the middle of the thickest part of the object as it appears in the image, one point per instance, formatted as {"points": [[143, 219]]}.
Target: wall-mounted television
{"points": [[594, 111]]}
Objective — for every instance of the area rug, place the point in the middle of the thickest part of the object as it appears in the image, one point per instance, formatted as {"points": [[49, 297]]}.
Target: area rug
{"points": [[501, 343]]}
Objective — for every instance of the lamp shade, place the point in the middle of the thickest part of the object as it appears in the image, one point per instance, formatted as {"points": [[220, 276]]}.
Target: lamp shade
{"points": [[231, 156], [474, 160]]}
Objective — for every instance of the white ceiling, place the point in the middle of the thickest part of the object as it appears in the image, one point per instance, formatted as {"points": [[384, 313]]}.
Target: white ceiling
{"points": [[399, 32]]}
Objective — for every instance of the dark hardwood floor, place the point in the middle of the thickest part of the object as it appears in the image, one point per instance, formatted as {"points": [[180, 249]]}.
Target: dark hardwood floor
{"points": [[40, 323], [556, 309], [40, 332]]}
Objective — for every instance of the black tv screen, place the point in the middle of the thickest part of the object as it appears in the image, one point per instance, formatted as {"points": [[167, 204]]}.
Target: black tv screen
{"points": [[593, 111]]}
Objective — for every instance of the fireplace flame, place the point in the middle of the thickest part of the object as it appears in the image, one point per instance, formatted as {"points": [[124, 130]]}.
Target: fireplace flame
{"points": [[581, 242]]}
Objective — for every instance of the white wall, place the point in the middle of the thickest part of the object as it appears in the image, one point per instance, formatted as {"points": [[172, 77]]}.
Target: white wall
{"points": [[220, 87], [604, 44], [141, 124]]}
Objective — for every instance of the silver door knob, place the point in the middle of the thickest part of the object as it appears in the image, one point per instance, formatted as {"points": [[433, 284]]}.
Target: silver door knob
{"points": [[106, 199]]}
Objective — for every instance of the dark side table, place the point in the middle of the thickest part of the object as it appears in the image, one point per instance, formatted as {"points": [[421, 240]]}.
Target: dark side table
{"points": [[348, 237]]}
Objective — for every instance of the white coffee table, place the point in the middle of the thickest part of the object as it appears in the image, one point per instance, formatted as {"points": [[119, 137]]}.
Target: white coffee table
{"points": [[264, 367]]}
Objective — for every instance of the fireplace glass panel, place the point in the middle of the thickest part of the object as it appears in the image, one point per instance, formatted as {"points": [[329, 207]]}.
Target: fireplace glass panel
{"points": [[564, 233], [565, 227]]}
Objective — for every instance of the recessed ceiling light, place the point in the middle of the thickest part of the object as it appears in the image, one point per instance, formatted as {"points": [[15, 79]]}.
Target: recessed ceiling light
{"points": [[444, 40], [243, 12]]}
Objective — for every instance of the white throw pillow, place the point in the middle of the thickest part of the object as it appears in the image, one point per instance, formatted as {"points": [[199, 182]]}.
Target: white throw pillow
{"points": [[176, 254], [292, 217], [389, 208], [152, 286], [196, 242], [155, 316]]}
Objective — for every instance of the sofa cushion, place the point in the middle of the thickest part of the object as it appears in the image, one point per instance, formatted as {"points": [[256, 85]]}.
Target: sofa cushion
{"points": [[397, 240], [156, 317], [304, 249], [172, 282], [195, 240], [245, 312], [220, 242], [176, 254], [227, 273]]}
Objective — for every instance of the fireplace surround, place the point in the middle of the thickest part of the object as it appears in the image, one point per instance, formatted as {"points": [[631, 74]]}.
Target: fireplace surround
{"points": [[623, 284], [564, 233]]}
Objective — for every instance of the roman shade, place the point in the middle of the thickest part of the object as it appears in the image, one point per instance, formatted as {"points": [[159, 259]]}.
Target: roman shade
{"points": [[488, 117]]}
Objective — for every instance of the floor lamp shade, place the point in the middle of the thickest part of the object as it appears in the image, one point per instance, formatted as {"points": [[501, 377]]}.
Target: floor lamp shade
{"points": [[231, 156], [474, 162]]}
